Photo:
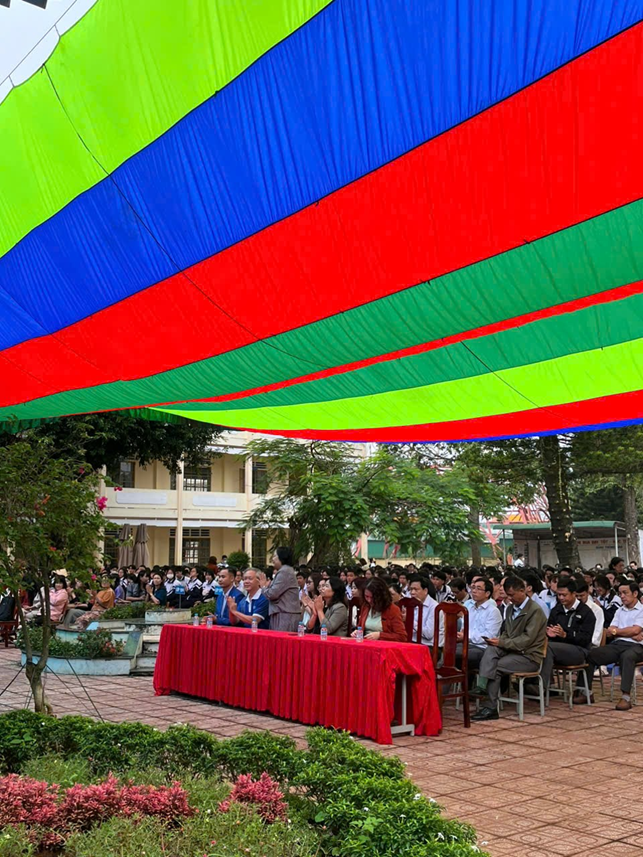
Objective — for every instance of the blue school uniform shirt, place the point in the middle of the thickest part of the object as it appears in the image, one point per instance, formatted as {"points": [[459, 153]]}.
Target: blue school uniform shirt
{"points": [[222, 612], [259, 606]]}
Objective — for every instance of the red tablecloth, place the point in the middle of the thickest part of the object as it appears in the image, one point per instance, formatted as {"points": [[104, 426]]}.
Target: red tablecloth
{"points": [[338, 682]]}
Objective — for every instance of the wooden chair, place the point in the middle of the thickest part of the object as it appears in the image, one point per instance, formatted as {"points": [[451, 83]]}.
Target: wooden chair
{"points": [[567, 674], [9, 629], [409, 607], [520, 699], [447, 671]]}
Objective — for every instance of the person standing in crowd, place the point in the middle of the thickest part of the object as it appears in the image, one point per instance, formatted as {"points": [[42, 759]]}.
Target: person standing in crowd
{"points": [[379, 618], [624, 644], [195, 588], [253, 604], [519, 562], [520, 646], [301, 582], [228, 590], [282, 592]]}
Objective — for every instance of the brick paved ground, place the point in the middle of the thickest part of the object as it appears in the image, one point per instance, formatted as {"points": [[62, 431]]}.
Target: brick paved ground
{"points": [[567, 784]]}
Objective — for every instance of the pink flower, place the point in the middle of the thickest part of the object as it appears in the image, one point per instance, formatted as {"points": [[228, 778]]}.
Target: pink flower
{"points": [[264, 793], [101, 502], [117, 488]]}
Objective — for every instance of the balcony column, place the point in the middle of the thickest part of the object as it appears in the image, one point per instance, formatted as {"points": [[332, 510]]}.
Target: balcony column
{"points": [[178, 542], [248, 487], [102, 490]]}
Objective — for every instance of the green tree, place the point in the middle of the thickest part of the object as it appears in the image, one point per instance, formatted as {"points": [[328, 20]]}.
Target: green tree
{"points": [[105, 439], [494, 474], [614, 457], [49, 519], [325, 496]]}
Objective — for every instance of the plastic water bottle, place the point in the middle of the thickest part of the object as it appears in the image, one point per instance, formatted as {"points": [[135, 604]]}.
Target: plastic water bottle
{"points": [[301, 630], [195, 621], [255, 624], [208, 622], [323, 632], [359, 635]]}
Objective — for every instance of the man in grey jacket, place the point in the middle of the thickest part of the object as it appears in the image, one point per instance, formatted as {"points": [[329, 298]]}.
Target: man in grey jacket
{"points": [[282, 592], [519, 648]]}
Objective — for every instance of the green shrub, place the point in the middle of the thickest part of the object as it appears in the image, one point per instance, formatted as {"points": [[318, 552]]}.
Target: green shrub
{"points": [[239, 559], [202, 608], [89, 644], [54, 769], [358, 801], [237, 832], [14, 843], [123, 612]]}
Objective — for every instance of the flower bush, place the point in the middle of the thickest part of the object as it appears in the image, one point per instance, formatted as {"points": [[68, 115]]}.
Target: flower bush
{"points": [[51, 816], [125, 612], [89, 644], [264, 793], [341, 799]]}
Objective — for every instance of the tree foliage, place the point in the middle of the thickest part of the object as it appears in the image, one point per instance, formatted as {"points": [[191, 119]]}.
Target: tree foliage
{"points": [[325, 495], [105, 439], [49, 519]]}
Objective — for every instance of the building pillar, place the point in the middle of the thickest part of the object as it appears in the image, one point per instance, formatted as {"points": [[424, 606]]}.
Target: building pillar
{"points": [[102, 490], [364, 546], [178, 541]]}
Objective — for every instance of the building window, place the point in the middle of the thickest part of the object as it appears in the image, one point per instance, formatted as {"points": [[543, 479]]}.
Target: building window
{"points": [[110, 551], [196, 546], [259, 548], [259, 477], [194, 479], [122, 474]]}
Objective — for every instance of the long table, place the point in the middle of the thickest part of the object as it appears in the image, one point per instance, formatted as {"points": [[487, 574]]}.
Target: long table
{"points": [[337, 682]]}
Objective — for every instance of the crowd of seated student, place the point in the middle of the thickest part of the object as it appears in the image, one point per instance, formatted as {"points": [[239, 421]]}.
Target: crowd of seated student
{"points": [[585, 616]]}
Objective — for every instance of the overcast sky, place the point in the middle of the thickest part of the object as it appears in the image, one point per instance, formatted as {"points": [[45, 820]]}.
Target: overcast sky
{"points": [[22, 26]]}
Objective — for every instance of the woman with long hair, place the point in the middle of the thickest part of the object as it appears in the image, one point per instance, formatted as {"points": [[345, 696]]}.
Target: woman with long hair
{"points": [[379, 618], [308, 612]]}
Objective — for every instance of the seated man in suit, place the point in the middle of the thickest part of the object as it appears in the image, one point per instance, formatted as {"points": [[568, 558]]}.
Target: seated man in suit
{"points": [[520, 647], [570, 628]]}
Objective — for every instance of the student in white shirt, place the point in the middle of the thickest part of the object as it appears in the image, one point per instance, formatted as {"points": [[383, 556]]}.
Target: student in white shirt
{"points": [[583, 596], [484, 620], [624, 642]]}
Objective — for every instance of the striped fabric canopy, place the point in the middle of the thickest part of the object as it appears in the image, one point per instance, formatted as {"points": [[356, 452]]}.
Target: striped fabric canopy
{"points": [[357, 219]]}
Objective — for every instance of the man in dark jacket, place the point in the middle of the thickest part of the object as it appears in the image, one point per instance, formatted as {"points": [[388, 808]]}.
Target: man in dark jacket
{"points": [[569, 629], [519, 648]]}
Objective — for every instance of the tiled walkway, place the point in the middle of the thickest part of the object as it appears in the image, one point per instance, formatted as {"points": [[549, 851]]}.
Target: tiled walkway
{"points": [[569, 784]]}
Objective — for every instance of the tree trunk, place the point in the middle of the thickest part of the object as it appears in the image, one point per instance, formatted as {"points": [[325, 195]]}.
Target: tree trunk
{"points": [[555, 476], [631, 522], [476, 553], [34, 676]]}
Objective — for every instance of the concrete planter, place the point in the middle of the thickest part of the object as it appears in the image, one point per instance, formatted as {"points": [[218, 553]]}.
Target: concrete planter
{"points": [[179, 617], [71, 636], [111, 625], [86, 666]]}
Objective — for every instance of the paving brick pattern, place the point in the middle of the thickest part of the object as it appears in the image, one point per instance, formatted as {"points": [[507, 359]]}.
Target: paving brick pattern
{"points": [[567, 784]]}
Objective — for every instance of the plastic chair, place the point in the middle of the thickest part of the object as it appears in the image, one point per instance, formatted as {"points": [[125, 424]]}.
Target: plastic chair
{"points": [[446, 668], [9, 629], [409, 606], [520, 699]]}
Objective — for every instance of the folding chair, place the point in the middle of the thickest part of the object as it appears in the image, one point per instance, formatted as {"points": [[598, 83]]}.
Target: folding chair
{"points": [[446, 669], [520, 699], [567, 674]]}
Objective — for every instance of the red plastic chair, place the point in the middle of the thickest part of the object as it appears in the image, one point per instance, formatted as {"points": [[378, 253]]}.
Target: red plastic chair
{"points": [[409, 607], [447, 671]]}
